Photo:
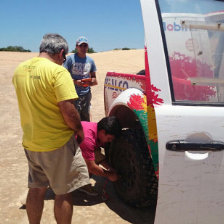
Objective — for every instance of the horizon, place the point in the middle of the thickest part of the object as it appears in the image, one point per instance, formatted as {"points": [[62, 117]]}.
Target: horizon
{"points": [[70, 52], [115, 49]]}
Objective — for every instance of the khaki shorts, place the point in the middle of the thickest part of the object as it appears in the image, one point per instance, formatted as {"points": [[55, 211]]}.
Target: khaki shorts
{"points": [[63, 169]]}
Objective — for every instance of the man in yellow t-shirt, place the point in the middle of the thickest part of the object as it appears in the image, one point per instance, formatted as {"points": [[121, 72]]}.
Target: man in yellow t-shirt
{"points": [[45, 93]]}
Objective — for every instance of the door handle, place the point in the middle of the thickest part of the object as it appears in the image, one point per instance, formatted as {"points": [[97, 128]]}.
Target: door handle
{"points": [[183, 145]]}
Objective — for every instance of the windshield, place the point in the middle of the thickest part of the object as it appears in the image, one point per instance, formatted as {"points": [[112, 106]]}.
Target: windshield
{"points": [[194, 33]]}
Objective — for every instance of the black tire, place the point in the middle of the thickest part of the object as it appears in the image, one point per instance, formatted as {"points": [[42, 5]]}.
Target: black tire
{"points": [[129, 156]]}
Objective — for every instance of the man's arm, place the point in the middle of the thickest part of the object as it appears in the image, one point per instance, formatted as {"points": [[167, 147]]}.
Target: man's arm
{"points": [[71, 117], [93, 79], [99, 171]]}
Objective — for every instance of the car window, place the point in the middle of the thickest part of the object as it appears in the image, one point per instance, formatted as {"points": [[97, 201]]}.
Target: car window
{"points": [[194, 35]]}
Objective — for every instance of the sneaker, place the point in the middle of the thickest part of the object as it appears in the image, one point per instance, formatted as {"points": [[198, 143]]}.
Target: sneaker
{"points": [[89, 190]]}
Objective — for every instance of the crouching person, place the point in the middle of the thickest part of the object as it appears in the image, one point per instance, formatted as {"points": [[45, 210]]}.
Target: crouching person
{"points": [[97, 135]]}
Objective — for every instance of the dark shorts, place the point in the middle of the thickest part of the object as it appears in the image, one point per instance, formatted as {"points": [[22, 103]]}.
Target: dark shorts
{"points": [[82, 104], [63, 169]]}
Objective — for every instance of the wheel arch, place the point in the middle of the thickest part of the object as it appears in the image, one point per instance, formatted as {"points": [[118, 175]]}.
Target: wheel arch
{"points": [[130, 107], [122, 109]]}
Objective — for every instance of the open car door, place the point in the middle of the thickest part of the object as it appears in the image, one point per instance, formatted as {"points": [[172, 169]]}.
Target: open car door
{"points": [[185, 47]]}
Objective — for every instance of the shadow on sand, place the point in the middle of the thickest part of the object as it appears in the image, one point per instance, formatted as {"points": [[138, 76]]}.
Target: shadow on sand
{"points": [[126, 212]]}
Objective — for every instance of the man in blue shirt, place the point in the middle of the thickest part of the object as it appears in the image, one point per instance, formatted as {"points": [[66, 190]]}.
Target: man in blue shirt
{"points": [[83, 71]]}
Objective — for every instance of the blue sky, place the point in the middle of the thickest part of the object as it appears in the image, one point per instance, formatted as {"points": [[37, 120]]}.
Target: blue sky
{"points": [[107, 24], [192, 6]]}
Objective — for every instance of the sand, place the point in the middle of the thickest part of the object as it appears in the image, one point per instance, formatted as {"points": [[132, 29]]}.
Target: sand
{"points": [[13, 165]]}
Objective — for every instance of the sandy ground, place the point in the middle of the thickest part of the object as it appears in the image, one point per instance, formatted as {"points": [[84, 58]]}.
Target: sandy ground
{"points": [[13, 165]]}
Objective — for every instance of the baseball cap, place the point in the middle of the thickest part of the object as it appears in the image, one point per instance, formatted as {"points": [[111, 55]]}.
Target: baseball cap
{"points": [[81, 40]]}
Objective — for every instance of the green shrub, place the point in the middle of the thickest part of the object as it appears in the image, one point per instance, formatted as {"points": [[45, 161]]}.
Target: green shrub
{"points": [[125, 48], [90, 50], [14, 48]]}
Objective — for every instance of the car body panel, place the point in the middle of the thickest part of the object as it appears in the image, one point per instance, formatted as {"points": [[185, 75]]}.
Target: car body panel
{"points": [[191, 183]]}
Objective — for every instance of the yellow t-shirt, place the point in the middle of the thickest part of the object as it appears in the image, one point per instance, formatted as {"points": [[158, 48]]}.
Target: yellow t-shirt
{"points": [[40, 84]]}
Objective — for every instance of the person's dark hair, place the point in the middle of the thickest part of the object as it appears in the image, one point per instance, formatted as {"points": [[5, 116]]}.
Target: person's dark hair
{"points": [[53, 43], [111, 125]]}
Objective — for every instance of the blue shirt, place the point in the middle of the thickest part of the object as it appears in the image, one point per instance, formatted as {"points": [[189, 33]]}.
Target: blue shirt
{"points": [[80, 68]]}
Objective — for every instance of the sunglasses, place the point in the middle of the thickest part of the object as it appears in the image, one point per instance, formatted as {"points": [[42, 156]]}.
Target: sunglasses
{"points": [[63, 54], [83, 45]]}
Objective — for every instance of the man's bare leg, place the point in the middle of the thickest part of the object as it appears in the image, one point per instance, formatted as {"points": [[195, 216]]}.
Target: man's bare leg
{"points": [[35, 204], [63, 208]]}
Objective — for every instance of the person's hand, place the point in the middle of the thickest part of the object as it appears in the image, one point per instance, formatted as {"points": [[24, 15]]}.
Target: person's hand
{"points": [[113, 176], [83, 82], [78, 82], [86, 83], [80, 136]]}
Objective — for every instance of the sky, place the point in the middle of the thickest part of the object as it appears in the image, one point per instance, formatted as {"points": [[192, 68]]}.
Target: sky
{"points": [[107, 24], [192, 6]]}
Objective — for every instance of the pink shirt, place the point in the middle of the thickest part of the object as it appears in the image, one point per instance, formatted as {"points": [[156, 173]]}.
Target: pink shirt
{"points": [[90, 143]]}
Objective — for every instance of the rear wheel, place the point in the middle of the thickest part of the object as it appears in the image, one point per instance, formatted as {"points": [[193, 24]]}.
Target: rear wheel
{"points": [[129, 156]]}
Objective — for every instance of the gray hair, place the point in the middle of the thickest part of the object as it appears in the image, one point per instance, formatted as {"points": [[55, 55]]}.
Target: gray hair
{"points": [[53, 43]]}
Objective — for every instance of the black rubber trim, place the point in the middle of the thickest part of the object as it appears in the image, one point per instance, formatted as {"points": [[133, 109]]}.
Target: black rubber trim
{"points": [[183, 145], [191, 103], [165, 50]]}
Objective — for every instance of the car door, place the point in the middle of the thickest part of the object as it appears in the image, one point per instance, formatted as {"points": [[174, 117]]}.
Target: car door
{"points": [[184, 41]]}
